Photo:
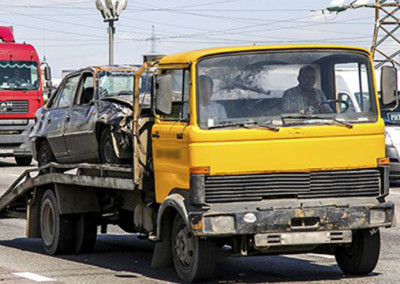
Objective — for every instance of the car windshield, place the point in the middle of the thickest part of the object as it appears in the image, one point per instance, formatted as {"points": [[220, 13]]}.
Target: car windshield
{"points": [[285, 88], [114, 83], [19, 75]]}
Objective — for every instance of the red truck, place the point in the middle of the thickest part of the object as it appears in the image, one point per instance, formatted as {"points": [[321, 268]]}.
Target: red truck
{"points": [[20, 95]]}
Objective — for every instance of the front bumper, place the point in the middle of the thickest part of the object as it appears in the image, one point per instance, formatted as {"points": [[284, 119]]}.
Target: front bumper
{"points": [[241, 219], [14, 135]]}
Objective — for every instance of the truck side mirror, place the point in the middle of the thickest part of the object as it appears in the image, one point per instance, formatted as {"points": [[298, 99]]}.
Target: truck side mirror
{"points": [[164, 94], [389, 85], [47, 72]]}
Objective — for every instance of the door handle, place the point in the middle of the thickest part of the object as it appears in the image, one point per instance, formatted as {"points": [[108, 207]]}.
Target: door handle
{"points": [[48, 120], [156, 134], [67, 118], [179, 136]]}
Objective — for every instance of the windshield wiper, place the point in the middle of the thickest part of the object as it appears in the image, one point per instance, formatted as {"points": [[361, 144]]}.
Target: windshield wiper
{"points": [[252, 124], [332, 119]]}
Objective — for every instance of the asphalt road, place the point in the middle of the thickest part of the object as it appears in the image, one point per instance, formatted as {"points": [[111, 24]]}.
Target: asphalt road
{"points": [[122, 258]]}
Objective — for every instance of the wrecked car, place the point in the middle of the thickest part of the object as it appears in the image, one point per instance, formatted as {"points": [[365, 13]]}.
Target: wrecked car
{"points": [[87, 119]]}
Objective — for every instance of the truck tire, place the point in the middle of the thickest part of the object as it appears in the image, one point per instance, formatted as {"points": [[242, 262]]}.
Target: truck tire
{"points": [[107, 153], [194, 258], [57, 230], [44, 154], [362, 255], [23, 161], [85, 233]]}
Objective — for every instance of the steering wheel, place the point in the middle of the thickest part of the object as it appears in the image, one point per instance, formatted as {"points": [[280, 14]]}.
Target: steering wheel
{"points": [[328, 102]]}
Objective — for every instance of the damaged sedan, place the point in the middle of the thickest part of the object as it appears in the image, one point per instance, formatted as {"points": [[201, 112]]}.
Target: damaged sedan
{"points": [[88, 119]]}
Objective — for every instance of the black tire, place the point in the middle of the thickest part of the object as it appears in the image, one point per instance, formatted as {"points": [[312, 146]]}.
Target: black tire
{"points": [[194, 258], [23, 161], [107, 153], [57, 231], [85, 233], [44, 154], [362, 255]]}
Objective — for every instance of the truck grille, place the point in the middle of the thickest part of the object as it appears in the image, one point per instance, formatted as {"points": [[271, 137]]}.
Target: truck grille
{"points": [[302, 185], [14, 107]]}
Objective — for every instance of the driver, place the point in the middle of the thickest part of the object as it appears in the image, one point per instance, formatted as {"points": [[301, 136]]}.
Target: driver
{"points": [[209, 109], [304, 98], [16, 79]]}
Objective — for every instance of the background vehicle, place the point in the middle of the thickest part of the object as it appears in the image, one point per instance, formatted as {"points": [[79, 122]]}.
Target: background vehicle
{"points": [[20, 95], [256, 182], [88, 119]]}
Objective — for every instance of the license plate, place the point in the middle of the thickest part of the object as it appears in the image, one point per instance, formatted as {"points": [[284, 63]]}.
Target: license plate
{"points": [[302, 238]]}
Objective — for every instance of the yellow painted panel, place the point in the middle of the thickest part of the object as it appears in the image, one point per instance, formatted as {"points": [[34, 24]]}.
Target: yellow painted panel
{"points": [[302, 154]]}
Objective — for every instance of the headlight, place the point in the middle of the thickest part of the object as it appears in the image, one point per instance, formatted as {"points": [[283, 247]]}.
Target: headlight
{"points": [[388, 139]]}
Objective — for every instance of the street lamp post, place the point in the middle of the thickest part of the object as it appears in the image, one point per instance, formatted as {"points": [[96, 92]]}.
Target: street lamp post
{"points": [[110, 11]]}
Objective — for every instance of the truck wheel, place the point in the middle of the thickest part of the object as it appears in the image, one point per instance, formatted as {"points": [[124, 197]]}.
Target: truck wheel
{"points": [[107, 153], [45, 155], [85, 233], [23, 161], [57, 230], [362, 255], [194, 258]]}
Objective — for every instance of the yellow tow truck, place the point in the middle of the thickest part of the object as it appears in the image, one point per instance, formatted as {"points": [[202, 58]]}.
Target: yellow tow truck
{"points": [[250, 149]]}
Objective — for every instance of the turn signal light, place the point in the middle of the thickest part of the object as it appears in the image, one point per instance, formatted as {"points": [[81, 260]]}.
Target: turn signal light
{"points": [[200, 170], [383, 161]]}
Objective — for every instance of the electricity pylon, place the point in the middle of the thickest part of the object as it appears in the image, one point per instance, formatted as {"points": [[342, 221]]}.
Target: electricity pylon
{"points": [[385, 45]]}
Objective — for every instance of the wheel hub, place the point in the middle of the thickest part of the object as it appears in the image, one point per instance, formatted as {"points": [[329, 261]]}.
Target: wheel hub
{"points": [[184, 246], [48, 223]]}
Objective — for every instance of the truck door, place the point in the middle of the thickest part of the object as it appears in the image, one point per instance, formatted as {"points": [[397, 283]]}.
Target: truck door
{"points": [[56, 116], [79, 130], [170, 140]]}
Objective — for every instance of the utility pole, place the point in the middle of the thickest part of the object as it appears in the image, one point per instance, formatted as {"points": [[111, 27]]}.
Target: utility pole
{"points": [[110, 11], [385, 45]]}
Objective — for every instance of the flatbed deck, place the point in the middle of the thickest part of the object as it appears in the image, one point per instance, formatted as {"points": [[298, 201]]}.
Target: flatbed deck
{"points": [[98, 176]]}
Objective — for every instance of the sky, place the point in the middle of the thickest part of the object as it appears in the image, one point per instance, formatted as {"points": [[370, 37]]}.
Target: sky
{"points": [[71, 34]]}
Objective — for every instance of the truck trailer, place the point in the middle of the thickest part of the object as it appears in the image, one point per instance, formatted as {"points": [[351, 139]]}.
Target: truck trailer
{"points": [[20, 95], [223, 160]]}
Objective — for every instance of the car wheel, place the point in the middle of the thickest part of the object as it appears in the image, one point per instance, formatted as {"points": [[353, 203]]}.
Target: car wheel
{"points": [[57, 231], [362, 255], [45, 155], [23, 161], [85, 233], [194, 258], [107, 153]]}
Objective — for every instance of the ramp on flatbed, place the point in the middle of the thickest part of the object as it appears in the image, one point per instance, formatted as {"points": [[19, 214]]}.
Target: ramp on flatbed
{"points": [[87, 175]]}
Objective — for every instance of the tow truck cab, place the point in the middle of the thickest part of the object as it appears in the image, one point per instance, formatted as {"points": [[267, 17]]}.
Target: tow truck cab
{"points": [[256, 173]]}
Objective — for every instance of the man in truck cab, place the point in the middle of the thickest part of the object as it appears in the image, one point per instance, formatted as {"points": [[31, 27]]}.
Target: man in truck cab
{"points": [[304, 98], [207, 107]]}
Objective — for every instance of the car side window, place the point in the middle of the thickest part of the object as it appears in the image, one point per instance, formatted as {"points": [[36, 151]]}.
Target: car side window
{"points": [[85, 92], [67, 92]]}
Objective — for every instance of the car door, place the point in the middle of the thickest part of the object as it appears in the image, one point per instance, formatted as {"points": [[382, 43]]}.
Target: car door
{"points": [[170, 139], [80, 124], [56, 116]]}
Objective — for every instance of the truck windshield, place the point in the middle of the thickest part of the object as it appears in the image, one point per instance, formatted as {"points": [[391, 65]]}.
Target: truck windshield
{"points": [[114, 83], [19, 75], [285, 88]]}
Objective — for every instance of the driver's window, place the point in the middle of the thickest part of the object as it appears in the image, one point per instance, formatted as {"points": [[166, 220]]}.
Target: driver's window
{"points": [[351, 84]]}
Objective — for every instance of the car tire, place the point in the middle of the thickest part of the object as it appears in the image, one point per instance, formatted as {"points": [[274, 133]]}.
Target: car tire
{"points": [[57, 231], [44, 154], [362, 255], [107, 153], [23, 161], [85, 233], [194, 258]]}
